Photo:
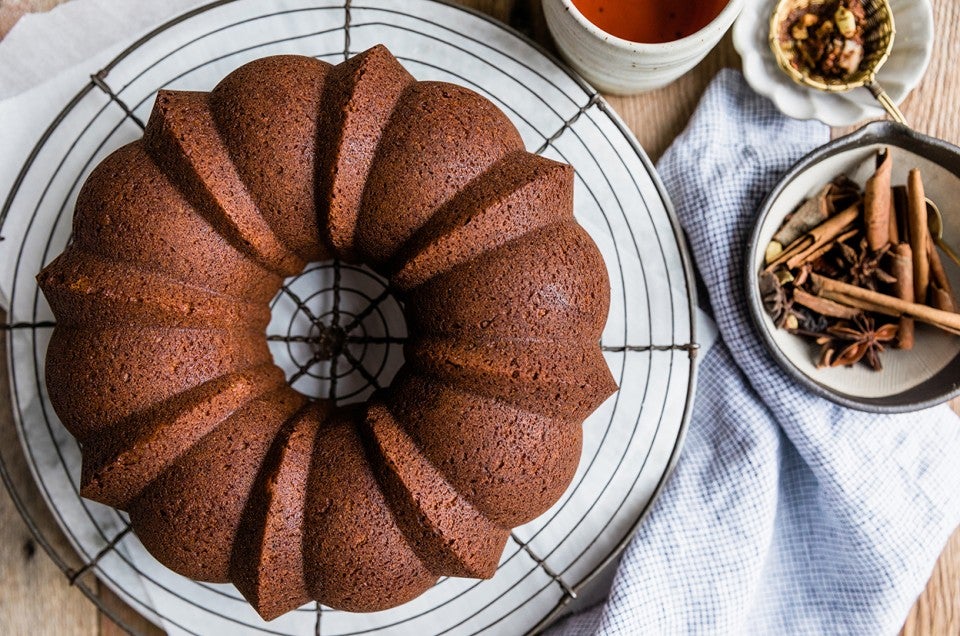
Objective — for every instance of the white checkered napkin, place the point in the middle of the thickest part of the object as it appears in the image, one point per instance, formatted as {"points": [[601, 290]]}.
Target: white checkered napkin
{"points": [[786, 513]]}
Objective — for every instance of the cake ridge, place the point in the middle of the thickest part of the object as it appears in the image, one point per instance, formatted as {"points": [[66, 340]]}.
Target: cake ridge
{"points": [[379, 81], [494, 295], [454, 224], [238, 219], [350, 533], [426, 129], [127, 187], [273, 142], [192, 531], [522, 460], [173, 426], [109, 375], [512, 242], [270, 535], [537, 378], [79, 275], [413, 484]]}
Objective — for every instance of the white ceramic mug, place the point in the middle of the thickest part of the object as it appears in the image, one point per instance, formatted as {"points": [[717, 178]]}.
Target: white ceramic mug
{"points": [[622, 67]]}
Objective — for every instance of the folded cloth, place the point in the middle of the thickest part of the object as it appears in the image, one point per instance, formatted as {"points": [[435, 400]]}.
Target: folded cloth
{"points": [[787, 514]]}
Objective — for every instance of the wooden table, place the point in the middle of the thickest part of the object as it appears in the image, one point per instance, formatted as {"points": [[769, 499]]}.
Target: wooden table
{"points": [[36, 598]]}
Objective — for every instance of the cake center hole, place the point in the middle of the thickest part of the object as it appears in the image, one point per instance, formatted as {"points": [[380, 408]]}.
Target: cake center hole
{"points": [[337, 331]]}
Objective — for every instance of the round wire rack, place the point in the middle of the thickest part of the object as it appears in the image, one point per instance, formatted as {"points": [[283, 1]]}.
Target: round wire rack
{"points": [[337, 329]]}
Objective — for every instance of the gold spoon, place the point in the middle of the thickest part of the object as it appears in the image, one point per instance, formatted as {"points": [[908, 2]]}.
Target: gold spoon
{"points": [[878, 30], [935, 224]]}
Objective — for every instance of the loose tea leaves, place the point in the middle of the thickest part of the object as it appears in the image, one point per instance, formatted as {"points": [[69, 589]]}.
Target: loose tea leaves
{"points": [[828, 38]]}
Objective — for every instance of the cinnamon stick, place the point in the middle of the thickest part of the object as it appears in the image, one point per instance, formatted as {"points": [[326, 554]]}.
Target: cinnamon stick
{"points": [[809, 215], [823, 249], [917, 221], [941, 294], [798, 252], [861, 304], [894, 226], [824, 306], [901, 268], [876, 203], [866, 299], [941, 299]]}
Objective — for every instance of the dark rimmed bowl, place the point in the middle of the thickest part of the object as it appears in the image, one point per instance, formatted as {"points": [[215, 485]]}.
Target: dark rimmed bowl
{"points": [[911, 380]]}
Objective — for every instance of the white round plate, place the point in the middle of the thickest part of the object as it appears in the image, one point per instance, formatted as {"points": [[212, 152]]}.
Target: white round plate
{"points": [[631, 441], [908, 60]]}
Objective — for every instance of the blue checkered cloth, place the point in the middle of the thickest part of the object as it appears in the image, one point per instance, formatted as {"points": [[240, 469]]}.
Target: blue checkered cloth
{"points": [[787, 514]]}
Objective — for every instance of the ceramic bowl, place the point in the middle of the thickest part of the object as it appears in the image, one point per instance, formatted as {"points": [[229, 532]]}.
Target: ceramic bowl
{"points": [[618, 66], [910, 380], [898, 75]]}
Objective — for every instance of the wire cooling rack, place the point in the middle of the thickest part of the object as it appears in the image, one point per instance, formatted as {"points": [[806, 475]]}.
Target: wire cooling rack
{"points": [[336, 328]]}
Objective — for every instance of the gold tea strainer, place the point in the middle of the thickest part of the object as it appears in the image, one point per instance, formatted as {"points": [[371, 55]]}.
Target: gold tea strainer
{"points": [[878, 30]]}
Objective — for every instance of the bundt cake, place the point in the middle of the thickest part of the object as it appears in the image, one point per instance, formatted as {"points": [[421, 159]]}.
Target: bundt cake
{"points": [[159, 363]]}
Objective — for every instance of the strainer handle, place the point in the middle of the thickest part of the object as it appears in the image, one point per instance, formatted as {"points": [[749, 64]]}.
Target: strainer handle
{"points": [[877, 91], [947, 250]]}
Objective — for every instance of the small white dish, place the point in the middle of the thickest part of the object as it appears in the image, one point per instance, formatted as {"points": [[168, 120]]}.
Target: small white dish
{"points": [[910, 380], [908, 60], [618, 66]]}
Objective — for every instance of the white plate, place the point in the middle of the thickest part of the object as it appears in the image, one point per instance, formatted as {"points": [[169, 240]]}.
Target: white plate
{"points": [[912, 46], [631, 442]]}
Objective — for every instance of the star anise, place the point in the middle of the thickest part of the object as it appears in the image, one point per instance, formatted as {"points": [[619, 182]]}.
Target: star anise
{"points": [[859, 339], [862, 266], [775, 298]]}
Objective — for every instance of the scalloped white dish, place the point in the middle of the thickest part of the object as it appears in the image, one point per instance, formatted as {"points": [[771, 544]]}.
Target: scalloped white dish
{"points": [[908, 60]]}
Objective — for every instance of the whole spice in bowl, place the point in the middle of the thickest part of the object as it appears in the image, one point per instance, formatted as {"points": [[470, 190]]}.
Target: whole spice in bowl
{"points": [[851, 270]]}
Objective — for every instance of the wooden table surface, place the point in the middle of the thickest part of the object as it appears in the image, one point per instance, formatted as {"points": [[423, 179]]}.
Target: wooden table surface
{"points": [[36, 598]]}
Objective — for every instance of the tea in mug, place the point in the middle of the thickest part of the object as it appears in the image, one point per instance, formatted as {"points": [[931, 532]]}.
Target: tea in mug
{"points": [[650, 21]]}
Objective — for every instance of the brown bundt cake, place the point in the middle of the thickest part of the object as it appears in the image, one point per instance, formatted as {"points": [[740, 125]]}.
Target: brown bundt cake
{"points": [[159, 363]]}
